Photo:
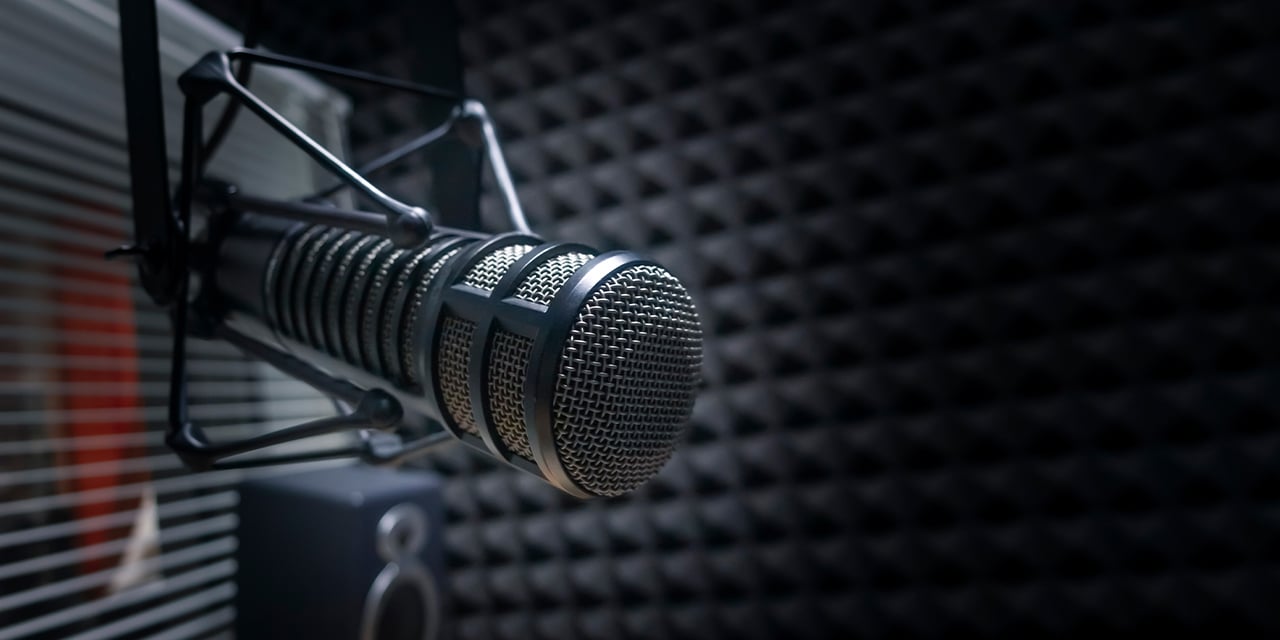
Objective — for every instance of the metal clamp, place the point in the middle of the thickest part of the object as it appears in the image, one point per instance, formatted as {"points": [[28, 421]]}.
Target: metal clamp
{"points": [[163, 246]]}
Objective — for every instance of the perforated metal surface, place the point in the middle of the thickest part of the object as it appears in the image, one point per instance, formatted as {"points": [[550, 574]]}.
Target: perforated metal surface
{"points": [[542, 285], [508, 364], [452, 371], [486, 274], [454, 356], [627, 377]]}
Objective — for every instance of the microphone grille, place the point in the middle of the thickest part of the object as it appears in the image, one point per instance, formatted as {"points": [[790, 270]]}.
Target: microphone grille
{"points": [[619, 374], [509, 360], [452, 363], [542, 285], [455, 344], [508, 364], [626, 381], [491, 269]]}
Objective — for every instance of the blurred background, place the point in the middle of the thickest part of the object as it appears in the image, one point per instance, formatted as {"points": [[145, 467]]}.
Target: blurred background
{"points": [[990, 292]]}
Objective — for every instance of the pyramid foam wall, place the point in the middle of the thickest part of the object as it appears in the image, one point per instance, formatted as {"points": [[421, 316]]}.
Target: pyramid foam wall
{"points": [[992, 299]]}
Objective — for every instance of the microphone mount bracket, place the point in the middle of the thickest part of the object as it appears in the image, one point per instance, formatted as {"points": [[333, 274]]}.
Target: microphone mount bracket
{"points": [[407, 226], [164, 248]]}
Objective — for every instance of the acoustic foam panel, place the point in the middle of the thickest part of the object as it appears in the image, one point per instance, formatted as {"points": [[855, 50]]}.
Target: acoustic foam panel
{"points": [[991, 298]]}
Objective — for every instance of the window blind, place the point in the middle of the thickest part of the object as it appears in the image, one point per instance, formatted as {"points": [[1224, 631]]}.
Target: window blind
{"points": [[103, 533]]}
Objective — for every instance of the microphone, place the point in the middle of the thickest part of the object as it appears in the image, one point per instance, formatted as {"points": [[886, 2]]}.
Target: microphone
{"points": [[577, 366]]}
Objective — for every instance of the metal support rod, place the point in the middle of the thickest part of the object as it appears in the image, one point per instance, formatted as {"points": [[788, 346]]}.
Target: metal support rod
{"points": [[288, 458], [351, 219], [153, 225], [498, 164], [488, 138], [275, 59], [404, 451], [192, 133], [355, 220], [376, 410], [292, 366], [406, 225], [391, 157]]}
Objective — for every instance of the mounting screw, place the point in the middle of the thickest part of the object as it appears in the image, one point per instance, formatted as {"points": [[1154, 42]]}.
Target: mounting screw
{"points": [[381, 409], [129, 251], [411, 229]]}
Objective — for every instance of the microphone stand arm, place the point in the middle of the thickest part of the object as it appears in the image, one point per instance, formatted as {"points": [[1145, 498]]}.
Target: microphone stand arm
{"points": [[407, 226], [154, 225], [164, 245]]}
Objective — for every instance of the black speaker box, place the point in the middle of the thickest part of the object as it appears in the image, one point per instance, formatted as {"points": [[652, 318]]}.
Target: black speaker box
{"points": [[352, 552]]}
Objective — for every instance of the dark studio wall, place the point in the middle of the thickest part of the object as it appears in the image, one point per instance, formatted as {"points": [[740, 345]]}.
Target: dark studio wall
{"points": [[990, 292]]}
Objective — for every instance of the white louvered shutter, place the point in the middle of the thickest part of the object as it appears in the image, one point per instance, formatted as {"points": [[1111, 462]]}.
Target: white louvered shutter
{"points": [[103, 533]]}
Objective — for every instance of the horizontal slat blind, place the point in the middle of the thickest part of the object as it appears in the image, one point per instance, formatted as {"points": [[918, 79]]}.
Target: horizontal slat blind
{"points": [[103, 532]]}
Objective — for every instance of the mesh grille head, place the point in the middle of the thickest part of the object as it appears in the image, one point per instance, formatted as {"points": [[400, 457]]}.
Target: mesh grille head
{"points": [[508, 362], [545, 281], [455, 350], [626, 381], [490, 270], [625, 375], [509, 357]]}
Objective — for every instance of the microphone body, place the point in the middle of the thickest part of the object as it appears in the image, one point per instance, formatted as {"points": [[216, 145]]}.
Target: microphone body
{"points": [[576, 366]]}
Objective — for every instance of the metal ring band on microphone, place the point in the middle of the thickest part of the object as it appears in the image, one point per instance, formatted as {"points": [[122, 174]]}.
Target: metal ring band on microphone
{"points": [[270, 280], [544, 361], [335, 298], [304, 280], [388, 270], [320, 287], [356, 297], [283, 292], [295, 286], [397, 298], [387, 318]]}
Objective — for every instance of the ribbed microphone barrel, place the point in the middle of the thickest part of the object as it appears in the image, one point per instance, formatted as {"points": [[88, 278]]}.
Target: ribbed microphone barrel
{"points": [[354, 296], [578, 367]]}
